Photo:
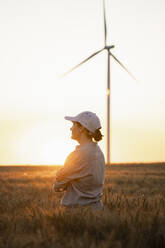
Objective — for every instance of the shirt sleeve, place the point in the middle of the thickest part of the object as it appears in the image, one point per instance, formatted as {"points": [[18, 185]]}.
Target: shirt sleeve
{"points": [[75, 167]]}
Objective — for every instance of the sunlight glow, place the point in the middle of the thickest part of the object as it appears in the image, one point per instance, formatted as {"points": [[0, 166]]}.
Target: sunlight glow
{"points": [[38, 145]]}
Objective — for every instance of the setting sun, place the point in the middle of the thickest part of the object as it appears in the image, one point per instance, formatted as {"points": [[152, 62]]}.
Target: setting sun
{"points": [[39, 144]]}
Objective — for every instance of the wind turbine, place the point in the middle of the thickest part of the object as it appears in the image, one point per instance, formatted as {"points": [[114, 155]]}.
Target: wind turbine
{"points": [[109, 53]]}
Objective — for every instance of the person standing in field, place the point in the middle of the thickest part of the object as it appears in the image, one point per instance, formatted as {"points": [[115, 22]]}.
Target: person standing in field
{"points": [[82, 176]]}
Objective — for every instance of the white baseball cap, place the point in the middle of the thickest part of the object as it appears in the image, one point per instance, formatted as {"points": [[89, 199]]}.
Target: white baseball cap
{"points": [[87, 119]]}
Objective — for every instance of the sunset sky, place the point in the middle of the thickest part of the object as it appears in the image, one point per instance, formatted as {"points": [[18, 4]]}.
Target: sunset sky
{"points": [[41, 39]]}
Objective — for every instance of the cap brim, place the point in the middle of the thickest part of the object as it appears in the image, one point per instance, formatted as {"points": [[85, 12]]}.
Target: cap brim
{"points": [[69, 118]]}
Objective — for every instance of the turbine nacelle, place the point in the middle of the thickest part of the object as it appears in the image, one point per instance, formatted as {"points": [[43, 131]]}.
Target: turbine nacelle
{"points": [[109, 47]]}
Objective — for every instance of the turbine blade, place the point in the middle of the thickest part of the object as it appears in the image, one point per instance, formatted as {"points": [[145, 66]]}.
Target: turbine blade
{"points": [[105, 25], [123, 67], [85, 60]]}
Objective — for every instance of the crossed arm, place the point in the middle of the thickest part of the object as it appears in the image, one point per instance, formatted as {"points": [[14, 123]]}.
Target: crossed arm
{"points": [[65, 174], [72, 170], [60, 183]]}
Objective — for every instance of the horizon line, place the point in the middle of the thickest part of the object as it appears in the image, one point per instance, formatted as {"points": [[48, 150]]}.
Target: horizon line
{"points": [[114, 163]]}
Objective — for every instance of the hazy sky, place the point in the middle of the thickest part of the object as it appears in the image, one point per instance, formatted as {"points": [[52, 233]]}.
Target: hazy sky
{"points": [[41, 39]]}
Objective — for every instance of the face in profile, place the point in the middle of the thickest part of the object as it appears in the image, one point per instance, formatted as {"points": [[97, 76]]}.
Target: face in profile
{"points": [[76, 130]]}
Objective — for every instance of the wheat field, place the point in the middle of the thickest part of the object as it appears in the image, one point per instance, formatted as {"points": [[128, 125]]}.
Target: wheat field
{"points": [[133, 214]]}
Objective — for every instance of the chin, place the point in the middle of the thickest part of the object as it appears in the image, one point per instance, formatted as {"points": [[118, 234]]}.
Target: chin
{"points": [[74, 138]]}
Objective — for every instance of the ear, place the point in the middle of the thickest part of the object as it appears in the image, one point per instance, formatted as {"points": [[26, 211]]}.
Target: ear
{"points": [[82, 129], [85, 131]]}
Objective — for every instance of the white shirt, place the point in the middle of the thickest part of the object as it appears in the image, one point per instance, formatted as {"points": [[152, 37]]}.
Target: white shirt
{"points": [[82, 176]]}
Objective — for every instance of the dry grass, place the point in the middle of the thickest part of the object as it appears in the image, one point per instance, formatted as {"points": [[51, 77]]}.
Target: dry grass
{"points": [[133, 216]]}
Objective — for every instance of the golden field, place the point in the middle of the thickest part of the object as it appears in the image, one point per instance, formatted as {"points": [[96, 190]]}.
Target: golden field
{"points": [[133, 214]]}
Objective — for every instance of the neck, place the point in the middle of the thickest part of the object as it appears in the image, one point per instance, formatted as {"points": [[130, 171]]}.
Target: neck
{"points": [[84, 140]]}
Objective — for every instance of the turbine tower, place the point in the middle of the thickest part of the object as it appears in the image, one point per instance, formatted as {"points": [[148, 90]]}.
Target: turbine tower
{"points": [[109, 54]]}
